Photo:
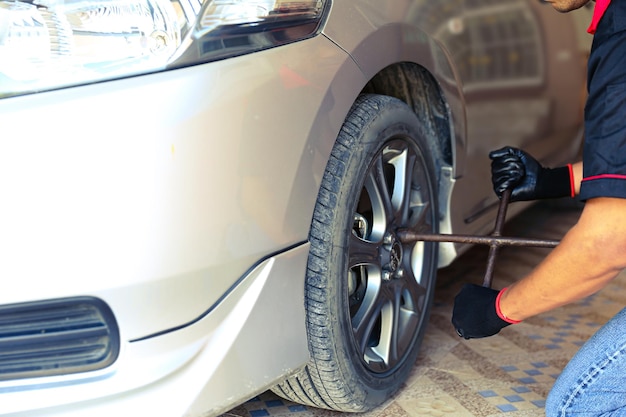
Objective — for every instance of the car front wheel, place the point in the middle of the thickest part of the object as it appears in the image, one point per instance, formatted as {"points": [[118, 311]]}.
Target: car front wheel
{"points": [[368, 294]]}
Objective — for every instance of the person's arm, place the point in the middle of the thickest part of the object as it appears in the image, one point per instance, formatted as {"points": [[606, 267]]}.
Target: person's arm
{"points": [[591, 254], [577, 172]]}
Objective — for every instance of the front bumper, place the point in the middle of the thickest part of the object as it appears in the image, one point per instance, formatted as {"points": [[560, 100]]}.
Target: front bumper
{"points": [[253, 338]]}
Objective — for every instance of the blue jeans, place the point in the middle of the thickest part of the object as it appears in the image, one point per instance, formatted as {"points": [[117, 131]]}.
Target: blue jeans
{"points": [[594, 382]]}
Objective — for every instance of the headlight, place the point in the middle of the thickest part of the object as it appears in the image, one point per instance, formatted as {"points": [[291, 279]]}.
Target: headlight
{"points": [[47, 44]]}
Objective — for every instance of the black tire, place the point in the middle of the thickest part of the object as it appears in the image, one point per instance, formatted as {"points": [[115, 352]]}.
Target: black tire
{"points": [[368, 295]]}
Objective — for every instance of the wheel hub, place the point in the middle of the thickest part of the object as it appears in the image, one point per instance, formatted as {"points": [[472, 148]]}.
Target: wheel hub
{"points": [[391, 254], [395, 256]]}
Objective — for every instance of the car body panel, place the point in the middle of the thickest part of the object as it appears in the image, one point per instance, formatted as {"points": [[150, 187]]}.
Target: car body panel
{"points": [[170, 232]]}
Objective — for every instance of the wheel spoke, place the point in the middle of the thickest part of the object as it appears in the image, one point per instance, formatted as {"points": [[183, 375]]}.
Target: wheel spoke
{"points": [[365, 320], [385, 352], [406, 325], [421, 213], [361, 252], [385, 324], [404, 164], [398, 323], [380, 195]]}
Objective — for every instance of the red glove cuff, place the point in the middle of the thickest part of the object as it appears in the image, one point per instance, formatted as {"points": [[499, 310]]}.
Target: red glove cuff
{"points": [[500, 313]]}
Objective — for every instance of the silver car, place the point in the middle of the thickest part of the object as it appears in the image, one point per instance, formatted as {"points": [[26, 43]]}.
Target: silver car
{"points": [[201, 200]]}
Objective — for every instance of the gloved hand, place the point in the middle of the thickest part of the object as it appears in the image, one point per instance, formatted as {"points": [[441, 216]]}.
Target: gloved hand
{"points": [[476, 310], [515, 169]]}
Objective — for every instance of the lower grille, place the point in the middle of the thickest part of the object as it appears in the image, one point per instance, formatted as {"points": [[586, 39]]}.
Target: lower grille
{"points": [[56, 337]]}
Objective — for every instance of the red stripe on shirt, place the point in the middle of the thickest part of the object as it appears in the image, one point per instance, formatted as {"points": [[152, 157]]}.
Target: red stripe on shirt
{"points": [[606, 176], [598, 12], [572, 185]]}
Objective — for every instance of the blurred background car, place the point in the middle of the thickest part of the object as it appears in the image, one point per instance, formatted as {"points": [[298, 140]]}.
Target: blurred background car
{"points": [[201, 200]]}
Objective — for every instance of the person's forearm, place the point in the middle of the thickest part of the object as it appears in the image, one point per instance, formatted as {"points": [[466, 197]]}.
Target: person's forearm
{"points": [[591, 254], [577, 170]]}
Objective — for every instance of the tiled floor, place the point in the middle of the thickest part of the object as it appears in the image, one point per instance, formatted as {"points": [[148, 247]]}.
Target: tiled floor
{"points": [[508, 374]]}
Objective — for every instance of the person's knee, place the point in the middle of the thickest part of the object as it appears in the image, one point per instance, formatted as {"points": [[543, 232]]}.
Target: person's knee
{"points": [[554, 403]]}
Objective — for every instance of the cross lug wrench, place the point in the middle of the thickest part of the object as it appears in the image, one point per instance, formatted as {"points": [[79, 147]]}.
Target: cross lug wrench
{"points": [[495, 240]]}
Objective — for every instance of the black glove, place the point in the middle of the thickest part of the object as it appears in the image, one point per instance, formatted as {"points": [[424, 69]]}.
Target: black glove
{"points": [[515, 169], [475, 313]]}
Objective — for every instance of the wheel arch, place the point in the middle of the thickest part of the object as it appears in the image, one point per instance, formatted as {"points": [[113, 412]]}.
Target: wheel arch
{"points": [[396, 46], [414, 85]]}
